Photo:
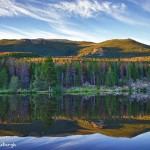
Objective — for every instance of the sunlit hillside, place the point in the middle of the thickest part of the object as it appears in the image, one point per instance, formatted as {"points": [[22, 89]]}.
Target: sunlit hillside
{"points": [[116, 49], [125, 48]]}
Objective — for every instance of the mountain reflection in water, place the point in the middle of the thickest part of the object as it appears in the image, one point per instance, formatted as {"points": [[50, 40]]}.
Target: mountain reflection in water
{"points": [[45, 115]]}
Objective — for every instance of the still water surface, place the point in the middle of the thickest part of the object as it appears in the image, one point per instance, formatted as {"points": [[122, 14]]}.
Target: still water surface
{"points": [[111, 121]]}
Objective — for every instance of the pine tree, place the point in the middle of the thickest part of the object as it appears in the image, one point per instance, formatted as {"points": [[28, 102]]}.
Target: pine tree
{"points": [[148, 73], [134, 71], [48, 73], [37, 83], [98, 82], [107, 79], [114, 77], [3, 78], [14, 83]]}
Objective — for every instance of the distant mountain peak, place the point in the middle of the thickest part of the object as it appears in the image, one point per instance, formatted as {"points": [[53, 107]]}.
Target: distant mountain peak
{"points": [[116, 48], [61, 47]]}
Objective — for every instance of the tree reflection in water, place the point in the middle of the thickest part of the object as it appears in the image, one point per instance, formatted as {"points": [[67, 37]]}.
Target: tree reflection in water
{"points": [[46, 114]]}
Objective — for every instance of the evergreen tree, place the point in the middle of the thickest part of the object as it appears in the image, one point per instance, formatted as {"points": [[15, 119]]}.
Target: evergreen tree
{"points": [[37, 83], [48, 73], [14, 83], [114, 78], [148, 73], [98, 82], [134, 71], [3, 78], [107, 79]]}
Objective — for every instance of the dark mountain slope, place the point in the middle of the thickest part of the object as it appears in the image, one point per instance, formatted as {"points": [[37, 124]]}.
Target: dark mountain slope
{"points": [[124, 48], [43, 47]]}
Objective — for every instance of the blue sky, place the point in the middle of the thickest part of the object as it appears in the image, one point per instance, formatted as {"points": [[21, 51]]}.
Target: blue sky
{"points": [[80, 20]]}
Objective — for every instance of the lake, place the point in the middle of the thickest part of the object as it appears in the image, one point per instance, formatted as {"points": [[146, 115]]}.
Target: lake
{"points": [[104, 121]]}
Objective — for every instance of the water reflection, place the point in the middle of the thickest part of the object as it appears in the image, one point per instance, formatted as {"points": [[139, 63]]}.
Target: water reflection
{"points": [[102, 107], [82, 142], [48, 114]]}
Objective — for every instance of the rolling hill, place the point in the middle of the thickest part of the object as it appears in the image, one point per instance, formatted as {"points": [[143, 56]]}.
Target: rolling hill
{"points": [[124, 48], [43, 47]]}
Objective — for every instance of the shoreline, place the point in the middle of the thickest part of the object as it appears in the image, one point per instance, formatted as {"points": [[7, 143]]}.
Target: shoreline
{"points": [[80, 90]]}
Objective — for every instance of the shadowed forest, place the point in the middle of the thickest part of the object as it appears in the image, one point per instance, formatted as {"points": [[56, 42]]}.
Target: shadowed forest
{"points": [[44, 74]]}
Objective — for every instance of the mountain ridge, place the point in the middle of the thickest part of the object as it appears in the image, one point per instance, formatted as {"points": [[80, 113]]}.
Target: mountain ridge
{"points": [[115, 48]]}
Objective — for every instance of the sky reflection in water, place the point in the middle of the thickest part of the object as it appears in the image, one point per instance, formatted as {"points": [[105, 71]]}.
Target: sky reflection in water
{"points": [[80, 142]]}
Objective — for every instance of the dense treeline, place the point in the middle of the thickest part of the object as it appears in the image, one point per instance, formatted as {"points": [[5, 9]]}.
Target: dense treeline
{"points": [[16, 74], [101, 73]]}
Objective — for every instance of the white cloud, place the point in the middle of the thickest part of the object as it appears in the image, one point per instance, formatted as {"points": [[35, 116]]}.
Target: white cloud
{"points": [[58, 16], [90, 8], [9, 8], [76, 35], [10, 32], [58, 12], [145, 4]]}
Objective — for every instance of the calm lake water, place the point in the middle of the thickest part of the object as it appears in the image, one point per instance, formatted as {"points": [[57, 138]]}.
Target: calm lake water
{"points": [[75, 121]]}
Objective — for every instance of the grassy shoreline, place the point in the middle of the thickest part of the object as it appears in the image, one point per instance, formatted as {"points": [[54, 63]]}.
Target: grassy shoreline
{"points": [[78, 90]]}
